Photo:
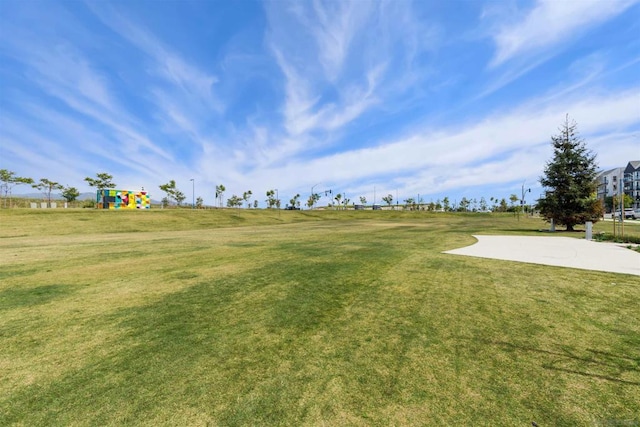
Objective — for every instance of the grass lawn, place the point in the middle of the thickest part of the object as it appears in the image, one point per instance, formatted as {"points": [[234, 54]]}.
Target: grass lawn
{"points": [[235, 317]]}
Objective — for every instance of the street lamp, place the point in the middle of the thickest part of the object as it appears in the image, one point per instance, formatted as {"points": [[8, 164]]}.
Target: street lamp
{"points": [[522, 198], [193, 193]]}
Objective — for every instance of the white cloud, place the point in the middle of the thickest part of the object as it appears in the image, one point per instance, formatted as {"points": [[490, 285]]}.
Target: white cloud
{"points": [[373, 88], [170, 65], [551, 22], [499, 149], [321, 101], [64, 68], [334, 30]]}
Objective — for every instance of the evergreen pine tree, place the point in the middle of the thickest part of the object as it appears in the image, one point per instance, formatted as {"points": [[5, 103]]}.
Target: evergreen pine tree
{"points": [[570, 181]]}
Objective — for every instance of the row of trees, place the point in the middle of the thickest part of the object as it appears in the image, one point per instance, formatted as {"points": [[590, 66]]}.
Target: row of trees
{"points": [[175, 196], [465, 205], [569, 178], [9, 179], [237, 201]]}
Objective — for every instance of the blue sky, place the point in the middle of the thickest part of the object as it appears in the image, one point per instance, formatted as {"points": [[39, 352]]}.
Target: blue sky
{"points": [[430, 98]]}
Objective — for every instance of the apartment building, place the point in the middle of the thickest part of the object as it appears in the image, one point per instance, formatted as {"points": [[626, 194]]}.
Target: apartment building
{"points": [[631, 180], [621, 180], [610, 182]]}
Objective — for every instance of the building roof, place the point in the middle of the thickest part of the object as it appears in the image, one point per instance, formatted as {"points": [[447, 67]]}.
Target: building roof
{"points": [[609, 171], [634, 165]]}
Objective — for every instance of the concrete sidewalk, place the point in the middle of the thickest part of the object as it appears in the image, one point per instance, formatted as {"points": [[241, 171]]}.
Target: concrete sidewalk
{"points": [[557, 251]]}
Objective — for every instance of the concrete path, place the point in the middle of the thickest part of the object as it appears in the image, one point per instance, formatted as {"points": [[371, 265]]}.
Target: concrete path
{"points": [[558, 251]]}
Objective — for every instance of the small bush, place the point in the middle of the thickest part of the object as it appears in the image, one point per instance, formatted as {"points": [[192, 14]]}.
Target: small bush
{"points": [[89, 203], [608, 237]]}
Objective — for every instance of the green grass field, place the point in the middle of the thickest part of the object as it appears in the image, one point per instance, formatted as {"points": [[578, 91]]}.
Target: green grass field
{"points": [[236, 317]]}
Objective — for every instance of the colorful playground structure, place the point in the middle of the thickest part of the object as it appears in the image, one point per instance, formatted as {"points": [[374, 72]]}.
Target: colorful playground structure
{"points": [[122, 199]]}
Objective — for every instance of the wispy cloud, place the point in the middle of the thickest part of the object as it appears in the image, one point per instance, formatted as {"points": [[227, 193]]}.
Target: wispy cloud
{"points": [[551, 22], [65, 74], [285, 94], [169, 64], [306, 113], [180, 94], [334, 28], [376, 40], [500, 149]]}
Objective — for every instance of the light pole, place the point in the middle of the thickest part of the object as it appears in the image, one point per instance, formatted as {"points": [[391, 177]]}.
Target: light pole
{"points": [[622, 184], [193, 193], [522, 198]]}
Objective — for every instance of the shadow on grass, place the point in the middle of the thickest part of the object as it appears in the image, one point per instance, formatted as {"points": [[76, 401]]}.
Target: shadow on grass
{"points": [[24, 297], [621, 364], [236, 347], [591, 375]]}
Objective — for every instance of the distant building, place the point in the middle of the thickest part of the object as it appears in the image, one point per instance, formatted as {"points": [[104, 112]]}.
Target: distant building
{"points": [[632, 182], [614, 182], [610, 183]]}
